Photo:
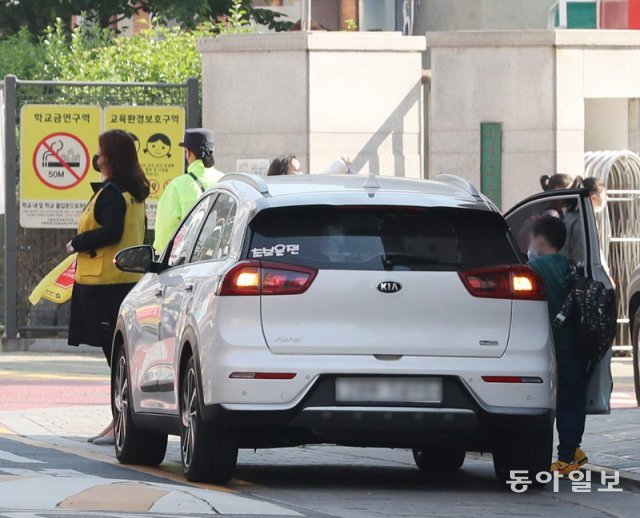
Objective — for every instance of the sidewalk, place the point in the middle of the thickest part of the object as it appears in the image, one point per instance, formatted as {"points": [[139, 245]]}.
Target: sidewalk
{"points": [[46, 345], [612, 442]]}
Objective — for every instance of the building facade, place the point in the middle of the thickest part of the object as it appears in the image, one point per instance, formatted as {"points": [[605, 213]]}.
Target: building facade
{"points": [[556, 95], [363, 15]]}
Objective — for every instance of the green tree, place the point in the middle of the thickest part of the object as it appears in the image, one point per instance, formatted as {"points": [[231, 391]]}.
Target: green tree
{"points": [[37, 15], [191, 13], [92, 53], [156, 55], [21, 55]]}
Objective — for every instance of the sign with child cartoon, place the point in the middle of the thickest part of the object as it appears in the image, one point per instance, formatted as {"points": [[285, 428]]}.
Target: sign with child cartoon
{"points": [[157, 131], [55, 156]]}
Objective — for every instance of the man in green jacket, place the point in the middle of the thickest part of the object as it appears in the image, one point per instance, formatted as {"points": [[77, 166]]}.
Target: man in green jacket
{"points": [[183, 191]]}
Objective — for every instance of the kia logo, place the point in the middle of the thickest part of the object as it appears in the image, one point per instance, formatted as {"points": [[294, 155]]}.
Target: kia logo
{"points": [[389, 287]]}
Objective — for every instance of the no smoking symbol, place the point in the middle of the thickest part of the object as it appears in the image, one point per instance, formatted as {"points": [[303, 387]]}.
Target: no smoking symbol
{"points": [[61, 160]]}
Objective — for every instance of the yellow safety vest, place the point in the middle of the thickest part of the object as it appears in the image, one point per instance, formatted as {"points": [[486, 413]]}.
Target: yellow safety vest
{"points": [[178, 198], [98, 268]]}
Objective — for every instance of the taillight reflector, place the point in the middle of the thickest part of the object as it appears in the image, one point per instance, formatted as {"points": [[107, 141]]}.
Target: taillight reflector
{"points": [[263, 375], [511, 379], [515, 282], [259, 278]]}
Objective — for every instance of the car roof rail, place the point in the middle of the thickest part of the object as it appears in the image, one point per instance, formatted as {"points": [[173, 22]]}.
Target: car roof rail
{"points": [[254, 180], [463, 183]]}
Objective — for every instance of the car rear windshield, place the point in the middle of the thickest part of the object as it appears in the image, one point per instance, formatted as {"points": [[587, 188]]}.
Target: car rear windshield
{"points": [[381, 238]]}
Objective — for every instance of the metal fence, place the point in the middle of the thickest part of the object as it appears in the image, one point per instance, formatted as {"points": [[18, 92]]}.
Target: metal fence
{"points": [[29, 254], [619, 224]]}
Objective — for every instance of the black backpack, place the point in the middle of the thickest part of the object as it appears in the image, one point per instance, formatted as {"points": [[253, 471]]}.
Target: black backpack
{"points": [[591, 310]]}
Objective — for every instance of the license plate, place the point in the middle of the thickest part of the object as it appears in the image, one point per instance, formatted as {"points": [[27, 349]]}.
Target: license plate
{"points": [[389, 390]]}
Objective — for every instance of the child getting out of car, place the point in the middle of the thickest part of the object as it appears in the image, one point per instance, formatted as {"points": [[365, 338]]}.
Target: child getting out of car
{"points": [[548, 236]]}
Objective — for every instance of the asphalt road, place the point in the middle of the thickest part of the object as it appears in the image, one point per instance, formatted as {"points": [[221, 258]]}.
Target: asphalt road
{"points": [[41, 477], [315, 481]]}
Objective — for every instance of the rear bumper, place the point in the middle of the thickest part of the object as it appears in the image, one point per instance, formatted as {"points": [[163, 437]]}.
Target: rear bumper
{"points": [[218, 361], [319, 418]]}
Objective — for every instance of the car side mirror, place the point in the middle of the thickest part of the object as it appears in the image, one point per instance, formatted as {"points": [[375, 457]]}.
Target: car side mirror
{"points": [[136, 259]]}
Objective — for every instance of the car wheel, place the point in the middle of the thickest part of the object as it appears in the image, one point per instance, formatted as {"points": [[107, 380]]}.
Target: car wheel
{"points": [[209, 453], [526, 452], [440, 457], [133, 445], [635, 344]]}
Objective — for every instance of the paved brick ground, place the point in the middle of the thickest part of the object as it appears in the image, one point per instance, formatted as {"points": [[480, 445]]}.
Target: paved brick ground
{"points": [[613, 441]]}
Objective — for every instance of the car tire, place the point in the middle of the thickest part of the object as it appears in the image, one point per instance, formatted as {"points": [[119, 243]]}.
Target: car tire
{"points": [[525, 452], [635, 345], [133, 445], [439, 458], [209, 453]]}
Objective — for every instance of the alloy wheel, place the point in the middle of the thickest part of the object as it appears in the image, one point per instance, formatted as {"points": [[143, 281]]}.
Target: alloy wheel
{"points": [[121, 402], [189, 417]]}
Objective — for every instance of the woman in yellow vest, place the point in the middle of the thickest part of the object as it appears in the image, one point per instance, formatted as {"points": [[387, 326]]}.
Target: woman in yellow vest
{"points": [[113, 219]]}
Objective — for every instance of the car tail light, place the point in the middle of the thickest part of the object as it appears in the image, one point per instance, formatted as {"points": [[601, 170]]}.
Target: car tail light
{"points": [[511, 379], [242, 279], [258, 278], [504, 282]]}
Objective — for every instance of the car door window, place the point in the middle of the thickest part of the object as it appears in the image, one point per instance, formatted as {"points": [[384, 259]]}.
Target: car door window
{"points": [[215, 236], [186, 235], [567, 208], [577, 214]]}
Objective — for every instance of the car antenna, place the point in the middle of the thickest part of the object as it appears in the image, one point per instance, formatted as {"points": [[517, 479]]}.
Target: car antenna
{"points": [[371, 182]]}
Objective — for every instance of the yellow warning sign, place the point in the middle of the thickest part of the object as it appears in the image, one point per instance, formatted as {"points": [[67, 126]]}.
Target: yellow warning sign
{"points": [[157, 131], [57, 143]]}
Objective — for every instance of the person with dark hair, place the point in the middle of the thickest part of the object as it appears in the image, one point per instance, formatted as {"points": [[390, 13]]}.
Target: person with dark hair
{"points": [[284, 164], [556, 182], [182, 192], [547, 238], [574, 248], [548, 233], [113, 219], [597, 193]]}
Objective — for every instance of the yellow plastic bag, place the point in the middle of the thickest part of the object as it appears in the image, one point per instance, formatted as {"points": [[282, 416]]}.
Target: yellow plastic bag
{"points": [[57, 285]]}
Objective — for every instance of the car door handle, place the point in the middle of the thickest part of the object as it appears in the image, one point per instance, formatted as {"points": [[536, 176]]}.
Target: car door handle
{"points": [[188, 287], [159, 292]]}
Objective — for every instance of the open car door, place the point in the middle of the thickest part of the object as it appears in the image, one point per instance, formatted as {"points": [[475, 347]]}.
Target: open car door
{"points": [[584, 249]]}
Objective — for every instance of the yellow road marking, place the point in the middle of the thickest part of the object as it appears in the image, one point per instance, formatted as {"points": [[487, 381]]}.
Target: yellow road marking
{"points": [[11, 478], [160, 472], [132, 497], [6, 431], [55, 377]]}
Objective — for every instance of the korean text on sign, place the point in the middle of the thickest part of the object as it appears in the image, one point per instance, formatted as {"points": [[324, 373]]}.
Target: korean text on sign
{"points": [[57, 143], [157, 132]]}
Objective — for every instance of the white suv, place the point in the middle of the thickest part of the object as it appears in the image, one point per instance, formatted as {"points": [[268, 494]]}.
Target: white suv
{"points": [[338, 309]]}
